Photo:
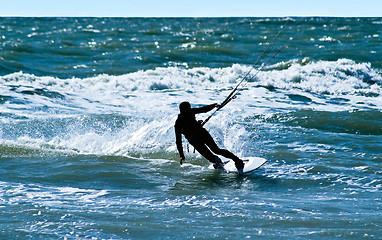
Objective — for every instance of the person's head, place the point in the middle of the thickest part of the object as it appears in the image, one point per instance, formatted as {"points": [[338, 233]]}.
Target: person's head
{"points": [[185, 107]]}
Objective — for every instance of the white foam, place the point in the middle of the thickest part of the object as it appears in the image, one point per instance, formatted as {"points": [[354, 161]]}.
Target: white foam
{"points": [[48, 196], [149, 99], [153, 89], [341, 77]]}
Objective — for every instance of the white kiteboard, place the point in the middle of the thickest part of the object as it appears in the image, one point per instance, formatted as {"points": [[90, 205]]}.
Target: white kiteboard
{"points": [[250, 164]]}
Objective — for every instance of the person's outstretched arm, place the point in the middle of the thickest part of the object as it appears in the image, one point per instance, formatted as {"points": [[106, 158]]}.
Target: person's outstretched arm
{"points": [[204, 109]]}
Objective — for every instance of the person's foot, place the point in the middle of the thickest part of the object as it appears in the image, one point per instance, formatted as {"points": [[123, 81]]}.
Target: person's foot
{"points": [[240, 166], [218, 163], [218, 166]]}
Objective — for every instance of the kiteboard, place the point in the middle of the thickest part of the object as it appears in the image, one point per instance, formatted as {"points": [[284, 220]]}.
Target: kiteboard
{"points": [[250, 164]]}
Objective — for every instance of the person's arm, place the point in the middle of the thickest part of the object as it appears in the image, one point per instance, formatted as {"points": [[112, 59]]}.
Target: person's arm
{"points": [[178, 136], [204, 109]]}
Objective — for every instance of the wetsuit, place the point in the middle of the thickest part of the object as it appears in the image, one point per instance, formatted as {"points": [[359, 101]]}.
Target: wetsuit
{"points": [[198, 137]]}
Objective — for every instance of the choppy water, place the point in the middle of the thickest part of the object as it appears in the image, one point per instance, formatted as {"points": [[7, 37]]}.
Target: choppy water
{"points": [[87, 107]]}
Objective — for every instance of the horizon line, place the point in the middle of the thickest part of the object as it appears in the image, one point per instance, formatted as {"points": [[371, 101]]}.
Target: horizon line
{"points": [[243, 16]]}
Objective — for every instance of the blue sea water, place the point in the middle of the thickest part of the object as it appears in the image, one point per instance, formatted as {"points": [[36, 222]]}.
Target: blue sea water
{"points": [[87, 107]]}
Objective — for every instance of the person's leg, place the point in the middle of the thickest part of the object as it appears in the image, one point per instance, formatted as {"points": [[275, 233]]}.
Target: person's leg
{"points": [[223, 152], [205, 152]]}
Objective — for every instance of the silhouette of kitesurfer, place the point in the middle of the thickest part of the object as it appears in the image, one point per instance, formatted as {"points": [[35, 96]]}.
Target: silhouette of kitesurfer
{"points": [[199, 137]]}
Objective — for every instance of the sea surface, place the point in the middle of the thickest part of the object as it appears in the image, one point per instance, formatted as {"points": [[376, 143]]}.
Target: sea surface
{"points": [[87, 144]]}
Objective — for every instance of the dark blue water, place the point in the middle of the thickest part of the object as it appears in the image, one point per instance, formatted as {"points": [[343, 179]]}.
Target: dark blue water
{"points": [[87, 107]]}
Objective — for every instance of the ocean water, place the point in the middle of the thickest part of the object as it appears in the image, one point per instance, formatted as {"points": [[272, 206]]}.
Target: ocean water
{"points": [[87, 107]]}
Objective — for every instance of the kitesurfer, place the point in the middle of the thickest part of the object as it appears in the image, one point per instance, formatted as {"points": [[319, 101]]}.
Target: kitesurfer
{"points": [[199, 137]]}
